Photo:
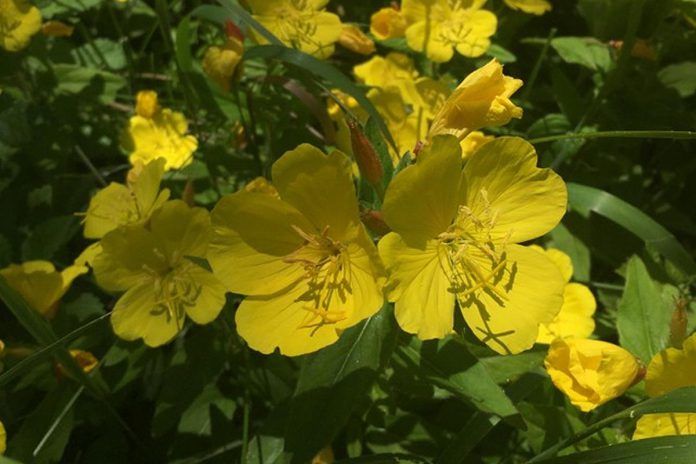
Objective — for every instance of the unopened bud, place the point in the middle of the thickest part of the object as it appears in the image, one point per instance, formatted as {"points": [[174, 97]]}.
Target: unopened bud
{"points": [[188, 193], [57, 29], [146, 103], [232, 31], [365, 155], [374, 220]]}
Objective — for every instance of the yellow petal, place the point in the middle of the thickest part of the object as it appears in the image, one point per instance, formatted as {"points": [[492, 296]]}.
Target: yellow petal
{"points": [[355, 40], [575, 318], [137, 314], [252, 235], [162, 136], [320, 187], [179, 230], [3, 439], [421, 200], [590, 372], [128, 257], [672, 368], [20, 21], [280, 321], [661, 425], [146, 103], [110, 207], [501, 180], [209, 302], [419, 286], [474, 38], [531, 293], [563, 262], [396, 70], [433, 45], [537, 7], [387, 23]]}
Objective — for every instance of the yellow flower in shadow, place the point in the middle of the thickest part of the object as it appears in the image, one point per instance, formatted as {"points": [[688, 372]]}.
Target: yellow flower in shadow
{"points": [[19, 21]]}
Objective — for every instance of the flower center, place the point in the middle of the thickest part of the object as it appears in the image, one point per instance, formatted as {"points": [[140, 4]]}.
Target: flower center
{"points": [[296, 21], [327, 274], [175, 291]]}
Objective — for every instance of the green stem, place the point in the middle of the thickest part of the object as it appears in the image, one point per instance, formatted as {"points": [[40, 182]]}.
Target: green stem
{"points": [[620, 134]]}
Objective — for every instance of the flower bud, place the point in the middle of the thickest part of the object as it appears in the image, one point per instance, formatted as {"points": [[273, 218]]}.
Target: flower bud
{"points": [[57, 29], [388, 23], [355, 40], [220, 63], [678, 324], [146, 103], [590, 372], [365, 155], [481, 100]]}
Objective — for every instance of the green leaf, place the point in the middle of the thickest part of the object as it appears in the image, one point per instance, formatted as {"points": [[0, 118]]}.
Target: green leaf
{"points": [[501, 54], [197, 417], [569, 243], [91, 54], [585, 51], [49, 237], [643, 315], [585, 199], [671, 450], [332, 381], [449, 365], [680, 77], [73, 79]]}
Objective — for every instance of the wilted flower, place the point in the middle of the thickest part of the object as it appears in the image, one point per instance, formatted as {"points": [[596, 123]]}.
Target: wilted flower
{"points": [[438, 27], [590, 372], [355, 40], [668, 370], [161, 135], [304, 259], [537, 7], [388, 23], [481, 100], [301, 24], [456, 234], [220, 63], [153, 265], [19, 21], [133, 203], [40, 284], [575, 318]]}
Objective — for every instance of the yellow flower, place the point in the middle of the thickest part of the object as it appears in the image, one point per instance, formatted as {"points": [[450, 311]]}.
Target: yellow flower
{"points": [[575, 318], [19, 21], [355, 40], [162, 284], [3, 439], [40, 284], [220, 63], [456, 234], [473, 141], [590, 372], [301, 24], [395, 70], [537, 7], [162, 135], [668, 370], [481, 100], [133, 203], [305, 261], [84, 359], [146, 103], [57, 29], [438, 27], [388, 23]]}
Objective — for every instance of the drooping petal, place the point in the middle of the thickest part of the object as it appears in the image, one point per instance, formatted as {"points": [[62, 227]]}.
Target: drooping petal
{"points": [[666, 424], [529, 293], [501, 182], [253, 234], [137, 314], [575, 318], [421, 200], [320, 187], [419, 286], [211, 298]]}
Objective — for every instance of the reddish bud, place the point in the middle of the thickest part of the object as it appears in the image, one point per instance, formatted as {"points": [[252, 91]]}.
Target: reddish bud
{"points": [[368, 162], [232, 31], [374, 220]]}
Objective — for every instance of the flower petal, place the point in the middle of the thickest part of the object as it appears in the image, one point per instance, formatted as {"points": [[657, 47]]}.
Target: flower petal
{"points": [[319, 186], [211, 299], [532, 294], [661, 425], [672, 368], [180, 230], [575, 318], [252, 234], [138, 315], [502, 178], [419, 286], [421, 200]]}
